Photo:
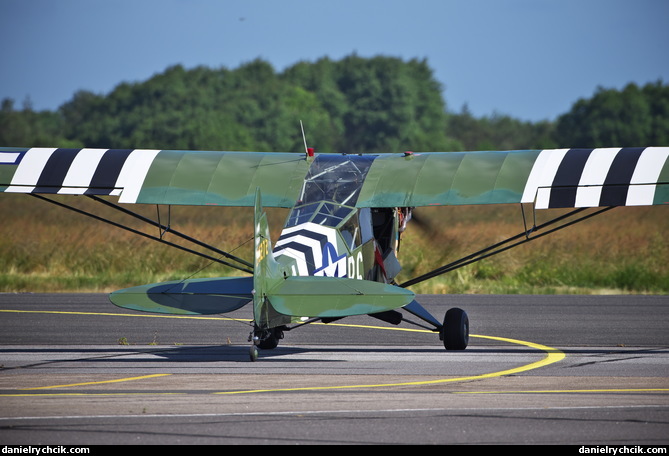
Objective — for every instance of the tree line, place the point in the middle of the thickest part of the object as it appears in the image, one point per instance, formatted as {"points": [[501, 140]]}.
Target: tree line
{"points": [[353, 105]]}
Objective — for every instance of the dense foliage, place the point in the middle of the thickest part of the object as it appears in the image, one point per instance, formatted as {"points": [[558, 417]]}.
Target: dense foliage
{"points": [[379, 104]]}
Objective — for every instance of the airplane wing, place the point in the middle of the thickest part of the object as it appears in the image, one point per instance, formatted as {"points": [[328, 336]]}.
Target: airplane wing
{"points": [[156, 176], [549, 178]]}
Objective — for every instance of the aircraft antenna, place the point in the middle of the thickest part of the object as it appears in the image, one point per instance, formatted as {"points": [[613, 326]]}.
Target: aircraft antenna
{"points": [[308, 150]]}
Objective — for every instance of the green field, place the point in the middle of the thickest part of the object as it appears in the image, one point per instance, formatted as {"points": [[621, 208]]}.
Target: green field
{"points": [[44, 248]]}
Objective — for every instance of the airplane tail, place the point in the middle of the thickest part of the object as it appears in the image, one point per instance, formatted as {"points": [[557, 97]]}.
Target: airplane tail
{"points": [[277, 297], [208, 296], [267, 273], [276, 293]]}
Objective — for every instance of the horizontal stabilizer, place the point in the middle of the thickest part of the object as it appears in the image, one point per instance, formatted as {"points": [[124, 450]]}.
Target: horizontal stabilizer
{"points": [[187, 297], [309, 296]]}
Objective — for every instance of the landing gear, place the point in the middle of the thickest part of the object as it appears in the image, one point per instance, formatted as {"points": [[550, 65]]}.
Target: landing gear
{"points": [[455, 331], [265, 339], [253, 353]]}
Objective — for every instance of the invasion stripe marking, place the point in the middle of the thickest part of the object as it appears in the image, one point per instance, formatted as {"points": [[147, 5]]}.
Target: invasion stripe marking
{"points": [[619, 177], [314, 248], [321, 238], [302, 269], [80, 174], [28, 172], [630, 177], [541, 176], [55, 170], [105, 176], [594, 174], [315, 244], [310, 227], [304, 252], [133, 173], [567, 178], [305, 243], [646, 174]]}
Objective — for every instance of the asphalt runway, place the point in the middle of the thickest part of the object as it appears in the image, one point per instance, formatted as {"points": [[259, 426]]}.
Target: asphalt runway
{"points": [[575, 370]]}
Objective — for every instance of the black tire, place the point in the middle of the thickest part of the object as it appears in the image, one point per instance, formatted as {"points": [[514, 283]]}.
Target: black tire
{"points": [[272, 340], [269, 343], [456, 329]]}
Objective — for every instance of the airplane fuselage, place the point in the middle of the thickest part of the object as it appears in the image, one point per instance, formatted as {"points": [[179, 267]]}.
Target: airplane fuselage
{"points": [[326, 235]]}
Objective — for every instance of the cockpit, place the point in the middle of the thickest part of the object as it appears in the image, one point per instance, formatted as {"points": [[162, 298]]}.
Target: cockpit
{"points": [[325, 221], [354, 225]]}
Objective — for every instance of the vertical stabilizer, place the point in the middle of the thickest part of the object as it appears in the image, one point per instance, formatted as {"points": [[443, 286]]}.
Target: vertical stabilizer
{"points": [[267, 272]]}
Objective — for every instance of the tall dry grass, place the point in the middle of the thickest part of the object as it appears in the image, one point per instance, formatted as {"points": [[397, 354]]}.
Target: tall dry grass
{"points": [[622, 251], [44, 248]]}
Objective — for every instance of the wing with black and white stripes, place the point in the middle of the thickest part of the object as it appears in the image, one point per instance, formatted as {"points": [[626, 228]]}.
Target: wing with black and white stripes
{"points": [[155, 176], [599, 177], [551, 178], [555, 178]]}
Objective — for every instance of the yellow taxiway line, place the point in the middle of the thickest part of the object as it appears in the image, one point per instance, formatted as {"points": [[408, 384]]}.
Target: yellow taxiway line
{"points": [[552, 356]]}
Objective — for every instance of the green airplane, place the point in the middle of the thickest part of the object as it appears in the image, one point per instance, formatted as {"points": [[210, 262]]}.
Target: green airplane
{"points": [[337, 253]]}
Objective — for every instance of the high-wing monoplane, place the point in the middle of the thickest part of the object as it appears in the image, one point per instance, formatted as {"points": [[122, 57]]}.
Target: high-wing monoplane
{"points": [[337, 253]]}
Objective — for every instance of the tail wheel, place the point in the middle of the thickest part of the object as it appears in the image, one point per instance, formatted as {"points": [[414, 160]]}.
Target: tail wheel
{"points": [[253, 353], [455, 332]]}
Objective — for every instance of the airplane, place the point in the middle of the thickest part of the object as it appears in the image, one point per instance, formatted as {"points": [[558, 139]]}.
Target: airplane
{"points": [[336, 256]]}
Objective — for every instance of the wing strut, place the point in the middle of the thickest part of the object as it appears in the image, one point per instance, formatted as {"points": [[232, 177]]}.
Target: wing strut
{"points": [[156, 238], [164, 229], [519, 239]]}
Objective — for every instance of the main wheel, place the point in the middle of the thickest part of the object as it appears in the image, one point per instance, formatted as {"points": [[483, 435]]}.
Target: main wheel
{"points": [[455, 332], [270, 338]]}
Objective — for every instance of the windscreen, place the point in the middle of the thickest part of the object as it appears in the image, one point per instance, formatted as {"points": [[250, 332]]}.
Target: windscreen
{"points": [[335, 178]]}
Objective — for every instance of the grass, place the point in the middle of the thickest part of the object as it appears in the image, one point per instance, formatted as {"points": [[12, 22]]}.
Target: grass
{"points": [[44, 248], [621, 251]]}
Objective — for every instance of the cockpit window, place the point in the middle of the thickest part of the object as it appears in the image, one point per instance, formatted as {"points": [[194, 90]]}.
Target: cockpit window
{"points": [[350, 232], [332, 179], [322, 213], [329, 194]]}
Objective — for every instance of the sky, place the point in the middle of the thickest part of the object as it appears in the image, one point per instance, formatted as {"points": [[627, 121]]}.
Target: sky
{"points": [[529, 59]]}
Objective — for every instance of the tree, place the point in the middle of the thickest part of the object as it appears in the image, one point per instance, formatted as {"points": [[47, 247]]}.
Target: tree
{"points": [[498, 132], [612, 118], [392, 105], [27, 128]]}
